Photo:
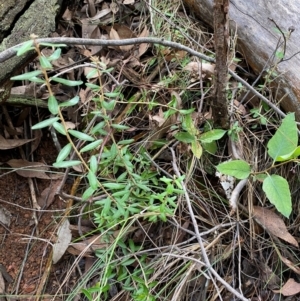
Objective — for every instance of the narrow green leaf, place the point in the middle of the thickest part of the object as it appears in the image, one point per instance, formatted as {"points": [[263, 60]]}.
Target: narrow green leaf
{"points": [[52, 105], [186, 112], [93, 86], [108, 105], [70, 103], [98, 127], [64, 153], [93, 164], [93, 182], [285, 140], [88, 193], [91, 146], [114, 185], [212, 135], [92, 73], [26, 46], [59, 127], [45, 123], [236, 168], [125, 142], [45, 63], [65, 164], [55, 55], [37, 80], [66, 82], [81, 136], [278, 192], [185, 137], [112, 94], [27, 75], [120, 127]]}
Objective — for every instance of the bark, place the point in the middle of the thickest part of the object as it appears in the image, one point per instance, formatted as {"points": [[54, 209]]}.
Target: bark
{"points": [[37, 18], [258, 39]]}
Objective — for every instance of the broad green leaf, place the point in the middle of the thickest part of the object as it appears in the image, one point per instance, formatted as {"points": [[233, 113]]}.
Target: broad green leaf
{"points": [[66, 82], [278, 192], [185, 137], [27, 76], [93, 182], [59, 128], [71, 102], [260, 177], [120, 126], [45, 63], [65, 164], [64, 153], [45, 123], [81, 136], [93, 164], [91, 146], [210, 147], [212, 135], [285, 140], [236, 168], [196, 149], [26, 46], [55, 55], [188, 125], [294, 154], [53, 105]]}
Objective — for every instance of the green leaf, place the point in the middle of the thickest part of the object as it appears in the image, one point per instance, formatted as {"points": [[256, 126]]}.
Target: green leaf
{"points": [[278, 192], [91, 146], [93, 164], [45, 63], [197, 149], [114, 185], [52, 105], [55, 55], [212, 135], [66, 82], [125, 142], [93, 86], [108, 105], [186, 112], [285, 140], [236, 168], [81, 136], [112, 94], [210, 147], [59, 128], [26, 46], [65, 164], [120, 126], [88, 193], [92, 73], [27, 76], [37, 80], [185, 137], [294, 154], [70, 103], [64, 153], [93, 182], [45, 123]]}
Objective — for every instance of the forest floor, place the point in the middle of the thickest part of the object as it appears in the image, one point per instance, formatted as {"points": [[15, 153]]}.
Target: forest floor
{"points": [[134, 237]]}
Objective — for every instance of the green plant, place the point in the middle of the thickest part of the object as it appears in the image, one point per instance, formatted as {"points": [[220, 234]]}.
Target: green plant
{"points": [[111, 167], [283, 148]]}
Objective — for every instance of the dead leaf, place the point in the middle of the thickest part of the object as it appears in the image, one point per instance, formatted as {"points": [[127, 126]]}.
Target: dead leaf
{"points": [[290, 264], [5, 217], [144, 46], [273, 224], [28, 169], [206, 69], [47, 196], [290, 288], [64, 237], [12, 143], [37, 139]]}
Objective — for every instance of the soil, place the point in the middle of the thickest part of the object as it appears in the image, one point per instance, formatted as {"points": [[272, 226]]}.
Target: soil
{"points": [[25, 243]]}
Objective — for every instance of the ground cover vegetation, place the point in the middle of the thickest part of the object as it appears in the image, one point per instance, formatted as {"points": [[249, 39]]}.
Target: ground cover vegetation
{"points": [[177, 207]]}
